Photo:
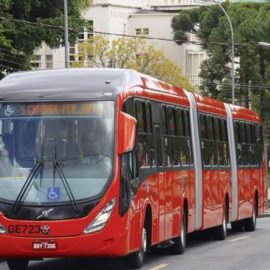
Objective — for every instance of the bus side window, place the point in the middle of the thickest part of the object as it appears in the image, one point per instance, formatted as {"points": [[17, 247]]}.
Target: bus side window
{"points": [[183, 138], [225, 143], [237, 142], [158, 145], [152, 156], [141, 116], [245, 145], [208, 144], [173, 143], [236, 132], [216, 142], [188, 135], [166, 137], [142, 138], [259, 144], [128, 107], [180, 127], [204, 143]]}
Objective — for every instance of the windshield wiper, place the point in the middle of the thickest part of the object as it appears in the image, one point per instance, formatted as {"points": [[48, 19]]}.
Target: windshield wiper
{"points": [[58, 167], [38, 168]]}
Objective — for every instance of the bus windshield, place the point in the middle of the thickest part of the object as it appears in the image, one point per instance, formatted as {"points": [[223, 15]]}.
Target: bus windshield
{"points": [[55, 152]]}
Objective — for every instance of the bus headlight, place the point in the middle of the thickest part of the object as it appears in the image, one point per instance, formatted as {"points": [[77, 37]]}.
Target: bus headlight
{"points": [[102, 218], [3, 230]]}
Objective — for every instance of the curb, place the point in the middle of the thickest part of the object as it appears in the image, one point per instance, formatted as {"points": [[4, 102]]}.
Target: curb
{"points": [[266, 214]]}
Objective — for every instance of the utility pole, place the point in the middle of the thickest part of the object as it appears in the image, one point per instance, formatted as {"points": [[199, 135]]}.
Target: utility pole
{"points": [[232, 46], [66, 34], [232, 54]]}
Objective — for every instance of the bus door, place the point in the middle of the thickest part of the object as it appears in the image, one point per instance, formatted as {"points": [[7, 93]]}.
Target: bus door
{"points": [[160, 181]]}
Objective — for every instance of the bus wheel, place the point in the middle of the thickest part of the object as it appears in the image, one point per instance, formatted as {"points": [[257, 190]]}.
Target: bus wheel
{"points": [[135, 260], [180, 242], [250, 223], [220, 231], [18, 264]]}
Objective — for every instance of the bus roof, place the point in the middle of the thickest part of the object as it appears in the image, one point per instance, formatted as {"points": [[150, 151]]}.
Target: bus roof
{"points": [[210, 105], [68, 84], [245, 114]]}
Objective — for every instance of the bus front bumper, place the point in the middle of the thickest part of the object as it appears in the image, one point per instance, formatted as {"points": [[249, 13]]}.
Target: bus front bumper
{"points": [[76, 246]]}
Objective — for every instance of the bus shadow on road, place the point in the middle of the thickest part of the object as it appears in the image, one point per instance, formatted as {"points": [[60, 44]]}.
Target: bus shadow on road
{"points": [[78, 263]]}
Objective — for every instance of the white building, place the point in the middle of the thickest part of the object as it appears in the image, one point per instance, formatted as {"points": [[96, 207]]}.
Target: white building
{"points": [[157, 23], [151, 18]]}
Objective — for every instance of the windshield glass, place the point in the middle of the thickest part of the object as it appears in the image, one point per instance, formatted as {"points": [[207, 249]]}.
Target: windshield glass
{"points": [[51, 150]]}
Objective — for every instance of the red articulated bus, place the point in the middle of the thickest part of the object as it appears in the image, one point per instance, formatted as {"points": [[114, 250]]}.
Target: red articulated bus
{"points": [[111, 162]]}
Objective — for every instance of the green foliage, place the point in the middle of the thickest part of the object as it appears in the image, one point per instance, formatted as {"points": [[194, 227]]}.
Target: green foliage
{"points": [[131, 53], [25, 24], [251, 22]]}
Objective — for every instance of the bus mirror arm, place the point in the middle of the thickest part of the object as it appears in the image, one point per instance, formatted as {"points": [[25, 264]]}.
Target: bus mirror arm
{"points": [[126, 133]]}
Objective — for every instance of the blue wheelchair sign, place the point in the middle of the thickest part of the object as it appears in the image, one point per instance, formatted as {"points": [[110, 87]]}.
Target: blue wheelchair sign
{"points": [[53, 193]]}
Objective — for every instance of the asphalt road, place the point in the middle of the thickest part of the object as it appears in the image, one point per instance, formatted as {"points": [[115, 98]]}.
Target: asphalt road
{"points": [[247, 251]]}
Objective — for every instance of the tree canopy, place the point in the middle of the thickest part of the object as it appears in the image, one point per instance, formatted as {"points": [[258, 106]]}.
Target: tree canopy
{"points": [[25, 24], [133, 53], [251, 22]]}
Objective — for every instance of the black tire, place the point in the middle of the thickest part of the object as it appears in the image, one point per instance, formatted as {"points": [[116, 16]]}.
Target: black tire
{"points": [[237, 226], [18, 264], [180, 242], [135, 260], [250, 223], [220, 232]]}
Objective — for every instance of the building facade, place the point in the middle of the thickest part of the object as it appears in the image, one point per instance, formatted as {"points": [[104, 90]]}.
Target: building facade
{"points": [[150, 18]]}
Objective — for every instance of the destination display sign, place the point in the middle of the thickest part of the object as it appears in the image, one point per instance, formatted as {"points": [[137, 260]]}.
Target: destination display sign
{"points": [[43, 109]]}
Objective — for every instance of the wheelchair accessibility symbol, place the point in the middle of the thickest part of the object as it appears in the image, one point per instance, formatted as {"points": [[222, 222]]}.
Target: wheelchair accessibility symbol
{"points": [[53, 193]]}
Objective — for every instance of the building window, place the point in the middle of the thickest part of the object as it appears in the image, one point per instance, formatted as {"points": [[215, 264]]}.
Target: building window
{"points": [[72, 50], [145, 31], [35, 65], [90, 29], [142, 31], [49, 61], [90, 35], [81, 34], [193, 66], [36, 62], [36, 57], [138, 31], [49, 57]]}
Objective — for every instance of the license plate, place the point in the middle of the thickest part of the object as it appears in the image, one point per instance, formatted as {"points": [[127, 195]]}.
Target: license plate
{"points": [[44, 245]]}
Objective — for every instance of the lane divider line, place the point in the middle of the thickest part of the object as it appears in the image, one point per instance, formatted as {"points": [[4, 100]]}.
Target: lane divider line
{"points": [[158, 267], [238, 239]]}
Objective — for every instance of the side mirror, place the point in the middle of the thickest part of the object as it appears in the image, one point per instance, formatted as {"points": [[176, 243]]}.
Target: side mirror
{"points": [[126, 133]]}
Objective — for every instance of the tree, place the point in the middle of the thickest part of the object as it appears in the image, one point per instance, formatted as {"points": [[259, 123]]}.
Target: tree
{"points": [[251, 22], [131, 53], [25, 24]]}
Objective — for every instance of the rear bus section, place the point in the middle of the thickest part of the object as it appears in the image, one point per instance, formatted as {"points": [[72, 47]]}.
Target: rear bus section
{"points": [[251, 168]]}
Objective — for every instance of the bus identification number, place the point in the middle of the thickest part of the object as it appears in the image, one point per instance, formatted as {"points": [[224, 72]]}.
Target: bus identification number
{"points": [[24, 229]]}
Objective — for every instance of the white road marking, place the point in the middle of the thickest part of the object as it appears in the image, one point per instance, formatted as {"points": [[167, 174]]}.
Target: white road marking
{"points": [[158, 267], [239, 239]]}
